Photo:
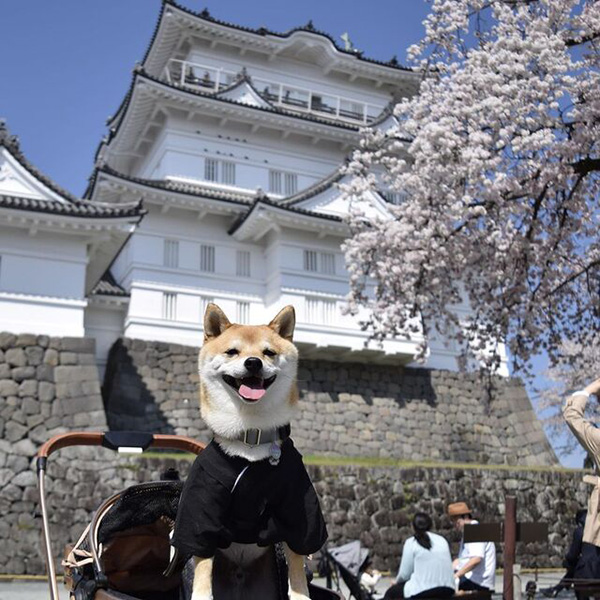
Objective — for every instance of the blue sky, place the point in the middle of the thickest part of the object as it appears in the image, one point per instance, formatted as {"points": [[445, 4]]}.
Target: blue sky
{"points": [[67, 64]]}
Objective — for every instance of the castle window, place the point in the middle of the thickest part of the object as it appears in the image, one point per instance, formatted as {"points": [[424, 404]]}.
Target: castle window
{"points": [[283, 183], [222, 171], [228, 172], [242, 312], [320, 311], [275, 181], [211, 169], [291, 183], [169, 306], [396, 198], [171, 254], [242, 263], [207, 258], [327, 266], [310, 260]]}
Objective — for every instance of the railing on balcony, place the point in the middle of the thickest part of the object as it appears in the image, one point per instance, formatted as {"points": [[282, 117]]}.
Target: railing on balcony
{"points": [[211, 79]]}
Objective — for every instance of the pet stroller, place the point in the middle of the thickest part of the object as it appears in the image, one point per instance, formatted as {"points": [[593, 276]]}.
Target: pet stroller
{"points": [[125, 552], [346, 563]]}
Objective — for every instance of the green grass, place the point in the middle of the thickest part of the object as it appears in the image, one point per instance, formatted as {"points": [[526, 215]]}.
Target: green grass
{"points": [[372, 461], [366, 461]]}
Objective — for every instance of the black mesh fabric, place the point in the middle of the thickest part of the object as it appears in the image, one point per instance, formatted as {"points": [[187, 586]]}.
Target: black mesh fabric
{"points": [[141, 504]]}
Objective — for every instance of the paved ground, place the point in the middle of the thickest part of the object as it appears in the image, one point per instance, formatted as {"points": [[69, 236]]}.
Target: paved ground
{"points": [[39, 590]]}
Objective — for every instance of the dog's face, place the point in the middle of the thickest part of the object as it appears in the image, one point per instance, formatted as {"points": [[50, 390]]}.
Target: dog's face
{"points": [[247, 372]]}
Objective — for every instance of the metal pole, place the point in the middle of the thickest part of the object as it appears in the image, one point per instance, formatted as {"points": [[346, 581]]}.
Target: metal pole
{"points": [[510, 544], [46, 531]]}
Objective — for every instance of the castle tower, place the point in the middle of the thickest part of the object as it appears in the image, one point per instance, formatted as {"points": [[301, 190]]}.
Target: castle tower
{"points": [[236, 140]]}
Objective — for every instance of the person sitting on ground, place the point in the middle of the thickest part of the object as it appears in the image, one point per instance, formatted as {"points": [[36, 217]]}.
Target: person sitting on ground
{"points": [[475, 567], [426, 565]]}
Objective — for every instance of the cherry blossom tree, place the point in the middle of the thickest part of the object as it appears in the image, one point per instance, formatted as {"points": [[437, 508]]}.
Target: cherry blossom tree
{"points": [[497, 159]]}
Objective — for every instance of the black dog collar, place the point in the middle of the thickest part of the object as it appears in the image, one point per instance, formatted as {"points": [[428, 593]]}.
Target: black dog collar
{"points": [[256, 437]]}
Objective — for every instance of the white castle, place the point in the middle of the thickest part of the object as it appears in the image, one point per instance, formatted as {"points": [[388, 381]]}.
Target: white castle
{"points": [[217, 182]]}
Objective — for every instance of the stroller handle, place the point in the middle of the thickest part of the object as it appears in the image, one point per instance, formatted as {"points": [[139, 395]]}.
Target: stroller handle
{"points": [[114, 440]]}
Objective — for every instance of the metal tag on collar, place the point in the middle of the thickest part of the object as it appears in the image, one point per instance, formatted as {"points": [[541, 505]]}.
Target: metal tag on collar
{"points": [[252, 437], [274, 454]]}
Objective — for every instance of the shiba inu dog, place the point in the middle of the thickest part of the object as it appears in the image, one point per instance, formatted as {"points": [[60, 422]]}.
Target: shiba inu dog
{"points": [[249, 485]]}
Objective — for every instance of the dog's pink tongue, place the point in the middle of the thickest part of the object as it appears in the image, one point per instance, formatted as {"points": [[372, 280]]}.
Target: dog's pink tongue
{"points": [[251, 393]]}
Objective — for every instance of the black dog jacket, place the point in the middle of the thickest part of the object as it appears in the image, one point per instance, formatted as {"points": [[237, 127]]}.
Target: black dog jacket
{"points": [[230, 499]]}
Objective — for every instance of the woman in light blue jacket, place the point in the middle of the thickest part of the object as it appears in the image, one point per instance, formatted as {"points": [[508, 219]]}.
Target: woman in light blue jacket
{"points": [[426, 566]]}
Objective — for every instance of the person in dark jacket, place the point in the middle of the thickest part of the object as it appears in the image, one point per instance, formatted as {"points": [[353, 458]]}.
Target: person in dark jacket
{"points": [[572, 557]]}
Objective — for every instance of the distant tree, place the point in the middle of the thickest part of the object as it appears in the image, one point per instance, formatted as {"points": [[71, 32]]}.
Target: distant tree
{"points": [[497, 159]]}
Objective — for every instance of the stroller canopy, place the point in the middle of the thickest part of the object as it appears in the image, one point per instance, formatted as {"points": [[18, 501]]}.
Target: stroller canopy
{"points": [[352, 556]]}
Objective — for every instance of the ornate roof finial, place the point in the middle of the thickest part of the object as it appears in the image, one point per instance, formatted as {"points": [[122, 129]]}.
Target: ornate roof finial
{"points": [[260, 194], [309, 26], [205, 14], [348, 45], [6, 138], [242, 75], [262, 30], [393, 62]]}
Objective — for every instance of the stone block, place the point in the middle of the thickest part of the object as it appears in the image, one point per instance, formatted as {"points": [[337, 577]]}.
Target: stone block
{"points": [[15, 357], [70, 374], [21, 373], [45, 373], [14, 431], [51, 357], [25, 448], [35, 355], [25, 479], [26, 339], [29, 387], [7, 340], [8, 387], [79, 345], [68, 358], [46, 391]]}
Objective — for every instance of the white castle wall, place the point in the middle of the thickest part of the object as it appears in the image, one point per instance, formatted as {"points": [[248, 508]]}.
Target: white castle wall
{"points": [[42, 279]]}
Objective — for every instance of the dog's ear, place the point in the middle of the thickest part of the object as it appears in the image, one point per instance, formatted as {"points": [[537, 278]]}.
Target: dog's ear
{"points": [[284, 322], [215, 322]]}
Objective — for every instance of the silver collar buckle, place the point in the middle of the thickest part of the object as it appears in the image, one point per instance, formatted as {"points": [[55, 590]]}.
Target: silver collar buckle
{"points": [[252, 437]]}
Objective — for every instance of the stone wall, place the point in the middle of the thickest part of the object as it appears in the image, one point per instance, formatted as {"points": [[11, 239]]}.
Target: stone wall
{"points": [[50, 385], [47, 386], [345, 409], [376, 505]]}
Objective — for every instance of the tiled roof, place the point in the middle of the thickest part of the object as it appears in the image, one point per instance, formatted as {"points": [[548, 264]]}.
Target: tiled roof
{"points": [[86, 209], [316, 188], [263, 31], [71, 206], [263, 200], [174, 186], [107, 286], [139, 73], [11, 143]]}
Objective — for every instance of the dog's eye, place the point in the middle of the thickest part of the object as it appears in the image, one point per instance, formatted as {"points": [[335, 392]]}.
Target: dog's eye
{"points": [[232, 352], [268, 352]]}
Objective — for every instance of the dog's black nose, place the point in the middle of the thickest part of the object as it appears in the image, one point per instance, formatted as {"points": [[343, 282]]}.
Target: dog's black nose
{"points": [[253, 364]]}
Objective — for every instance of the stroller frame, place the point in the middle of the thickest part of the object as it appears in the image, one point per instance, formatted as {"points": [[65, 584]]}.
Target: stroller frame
{"points": [[120, 441], [124, 441]]}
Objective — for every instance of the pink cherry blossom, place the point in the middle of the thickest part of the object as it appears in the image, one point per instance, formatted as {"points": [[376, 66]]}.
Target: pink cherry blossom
{"points": [[496, 244]]}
